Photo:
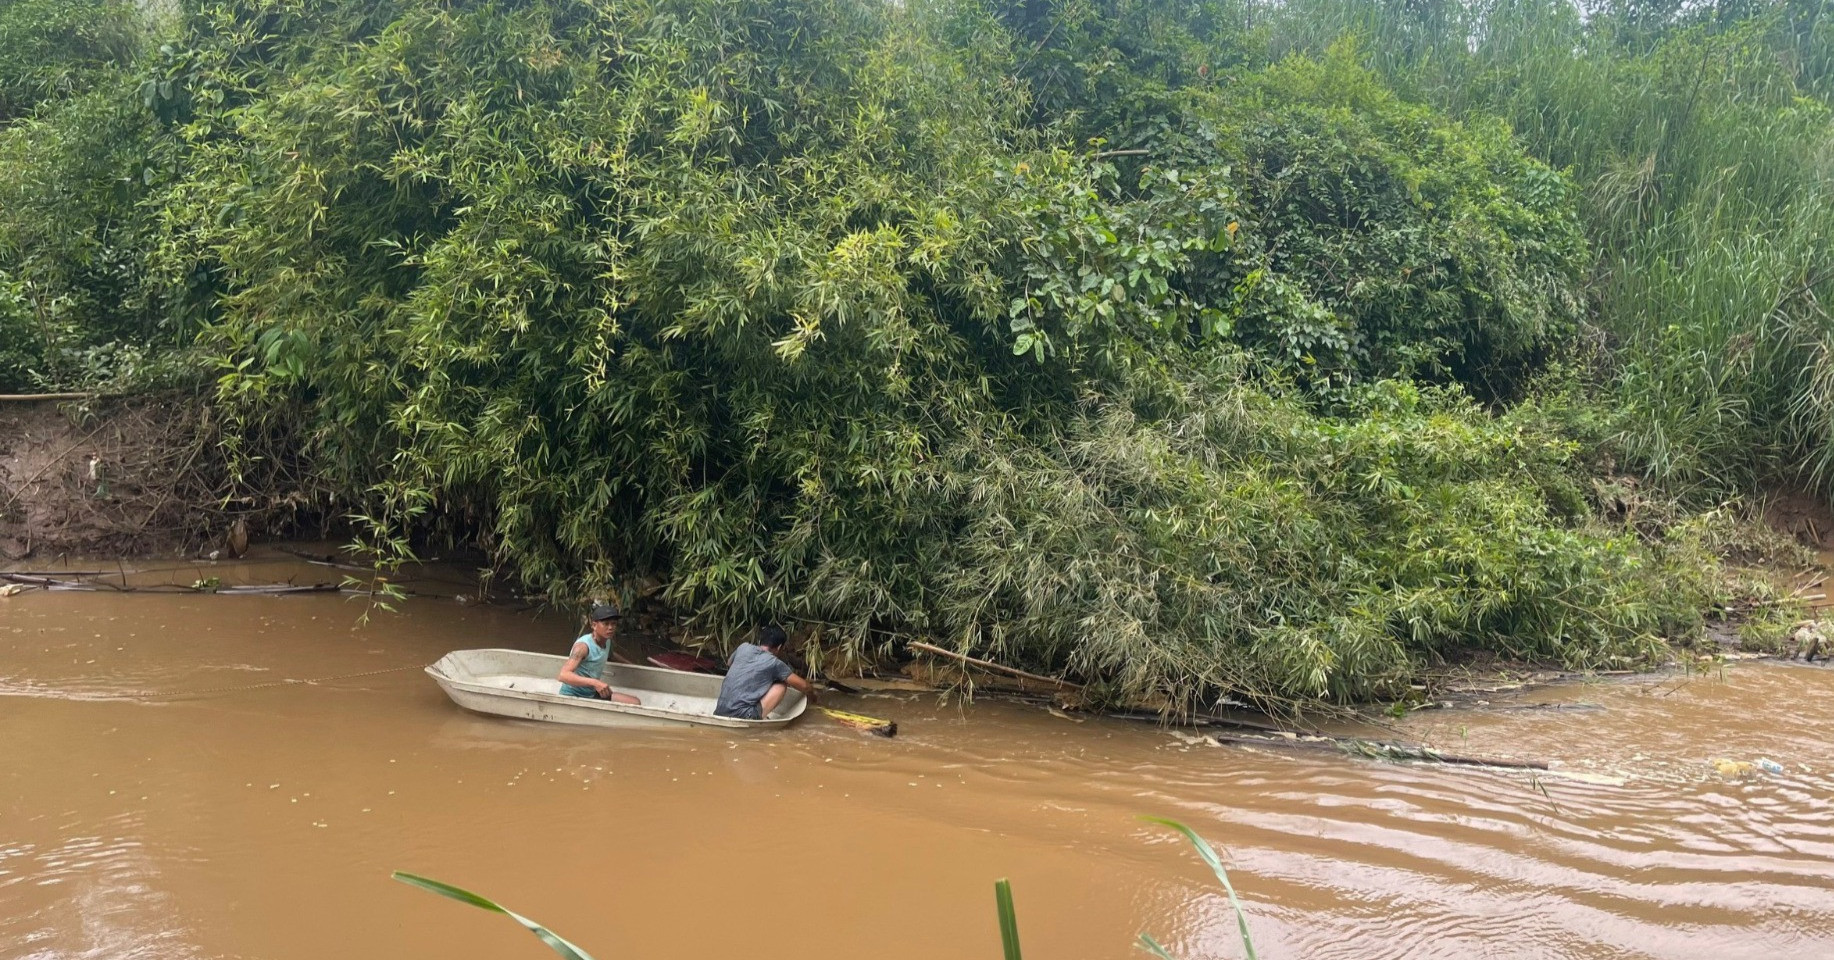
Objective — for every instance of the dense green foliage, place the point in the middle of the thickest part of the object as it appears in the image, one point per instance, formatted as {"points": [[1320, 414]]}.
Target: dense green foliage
{"points": [[1702, 143], [1426, 248], [1191, 350], [79, 150], [53, 49]]}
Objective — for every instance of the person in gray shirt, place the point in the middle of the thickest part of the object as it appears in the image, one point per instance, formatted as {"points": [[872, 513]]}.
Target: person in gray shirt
{"points": [[756, 678]]}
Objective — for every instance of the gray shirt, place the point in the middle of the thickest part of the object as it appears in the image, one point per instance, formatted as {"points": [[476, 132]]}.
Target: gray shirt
{"points": [[750, 676]]}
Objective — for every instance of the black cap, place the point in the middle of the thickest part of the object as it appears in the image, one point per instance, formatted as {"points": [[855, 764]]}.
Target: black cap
{"points": [[604, 611]]}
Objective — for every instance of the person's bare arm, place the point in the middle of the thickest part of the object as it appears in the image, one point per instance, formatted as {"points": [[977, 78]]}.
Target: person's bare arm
{"points": [[802, 686], [568, 676]]}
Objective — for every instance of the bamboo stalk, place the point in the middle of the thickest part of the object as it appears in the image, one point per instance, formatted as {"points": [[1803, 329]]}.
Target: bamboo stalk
{"points": [[29, 397], [990, 665], [1205, 718]]}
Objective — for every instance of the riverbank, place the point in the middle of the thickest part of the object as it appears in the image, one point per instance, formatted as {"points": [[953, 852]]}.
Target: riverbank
{"points": [[151, 477]]}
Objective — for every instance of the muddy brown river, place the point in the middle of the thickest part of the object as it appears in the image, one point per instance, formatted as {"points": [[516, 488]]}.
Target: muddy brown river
{"points": [[165, 794]]}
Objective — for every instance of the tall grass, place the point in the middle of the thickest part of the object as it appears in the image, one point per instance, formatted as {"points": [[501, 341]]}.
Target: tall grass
{"points": [[1704, 145]]}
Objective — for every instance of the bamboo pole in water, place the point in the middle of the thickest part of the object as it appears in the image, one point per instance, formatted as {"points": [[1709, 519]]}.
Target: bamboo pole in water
{"points": [[990, 665]]}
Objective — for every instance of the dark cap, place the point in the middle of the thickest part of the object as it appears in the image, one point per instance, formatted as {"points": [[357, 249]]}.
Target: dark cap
{"points": [[604, 611]]}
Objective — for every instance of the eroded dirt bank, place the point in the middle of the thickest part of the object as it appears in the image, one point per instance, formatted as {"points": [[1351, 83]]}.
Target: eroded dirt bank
{"points": [[139, 477]]}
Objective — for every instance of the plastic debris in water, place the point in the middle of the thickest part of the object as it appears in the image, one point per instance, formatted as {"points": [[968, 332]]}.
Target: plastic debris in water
{"points": [[1769, 766]]}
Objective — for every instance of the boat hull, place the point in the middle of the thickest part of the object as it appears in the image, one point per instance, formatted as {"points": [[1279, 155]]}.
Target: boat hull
{"points": [[515, 683]]}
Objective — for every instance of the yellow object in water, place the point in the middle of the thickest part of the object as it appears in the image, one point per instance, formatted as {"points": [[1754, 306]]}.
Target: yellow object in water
{"points": [[1734, 769], [884, 728]]}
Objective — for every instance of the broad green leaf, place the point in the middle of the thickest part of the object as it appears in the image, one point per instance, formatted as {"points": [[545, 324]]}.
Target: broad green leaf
{"points": [[1216, 866], [549, 937]]}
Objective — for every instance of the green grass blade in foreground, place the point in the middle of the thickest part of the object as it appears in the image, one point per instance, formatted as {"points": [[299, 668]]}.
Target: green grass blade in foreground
{"points": [[1152, 946], [1216, 865], [1009, 921], [549, 937]]}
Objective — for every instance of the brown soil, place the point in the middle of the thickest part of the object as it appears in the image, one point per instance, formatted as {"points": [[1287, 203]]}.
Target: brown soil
{"points": [[128, 477], [1803, 516]]}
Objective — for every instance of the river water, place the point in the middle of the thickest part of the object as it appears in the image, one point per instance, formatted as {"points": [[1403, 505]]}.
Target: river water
{"points": [[263, 821]]}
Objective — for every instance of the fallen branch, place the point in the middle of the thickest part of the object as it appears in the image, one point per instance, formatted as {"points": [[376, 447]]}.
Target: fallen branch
{"points": [[1195, 719], [990, 665], [34, 581], [30, 397], [270, 589], [1200, 719], [281, 588], [325, 560]]}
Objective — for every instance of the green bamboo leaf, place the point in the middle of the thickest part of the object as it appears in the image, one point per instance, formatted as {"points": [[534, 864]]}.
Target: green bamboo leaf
{"points": [[1216, 866], [1152, 946], [549, 937], [1009, 921]]}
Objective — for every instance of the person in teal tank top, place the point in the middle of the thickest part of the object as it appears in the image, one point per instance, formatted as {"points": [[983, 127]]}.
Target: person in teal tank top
{"points": [[580, 676]]}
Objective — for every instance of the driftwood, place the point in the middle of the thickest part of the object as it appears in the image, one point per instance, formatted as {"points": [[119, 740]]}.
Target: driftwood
{"points": [[280, 588], [324, 560], [1379, 750], [1203, 719], [263, 589], [990, 665], [34, 580]]}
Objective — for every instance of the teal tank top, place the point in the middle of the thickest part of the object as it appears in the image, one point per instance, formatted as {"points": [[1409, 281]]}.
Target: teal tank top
{"points": [[591, 666]]}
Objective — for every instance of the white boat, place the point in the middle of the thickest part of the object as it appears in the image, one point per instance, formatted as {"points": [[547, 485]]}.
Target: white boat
{"points": [[513, 683]]}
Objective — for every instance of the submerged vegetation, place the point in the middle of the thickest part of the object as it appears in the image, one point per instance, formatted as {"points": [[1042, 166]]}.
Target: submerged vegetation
{"points": [[1205, 349]]}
